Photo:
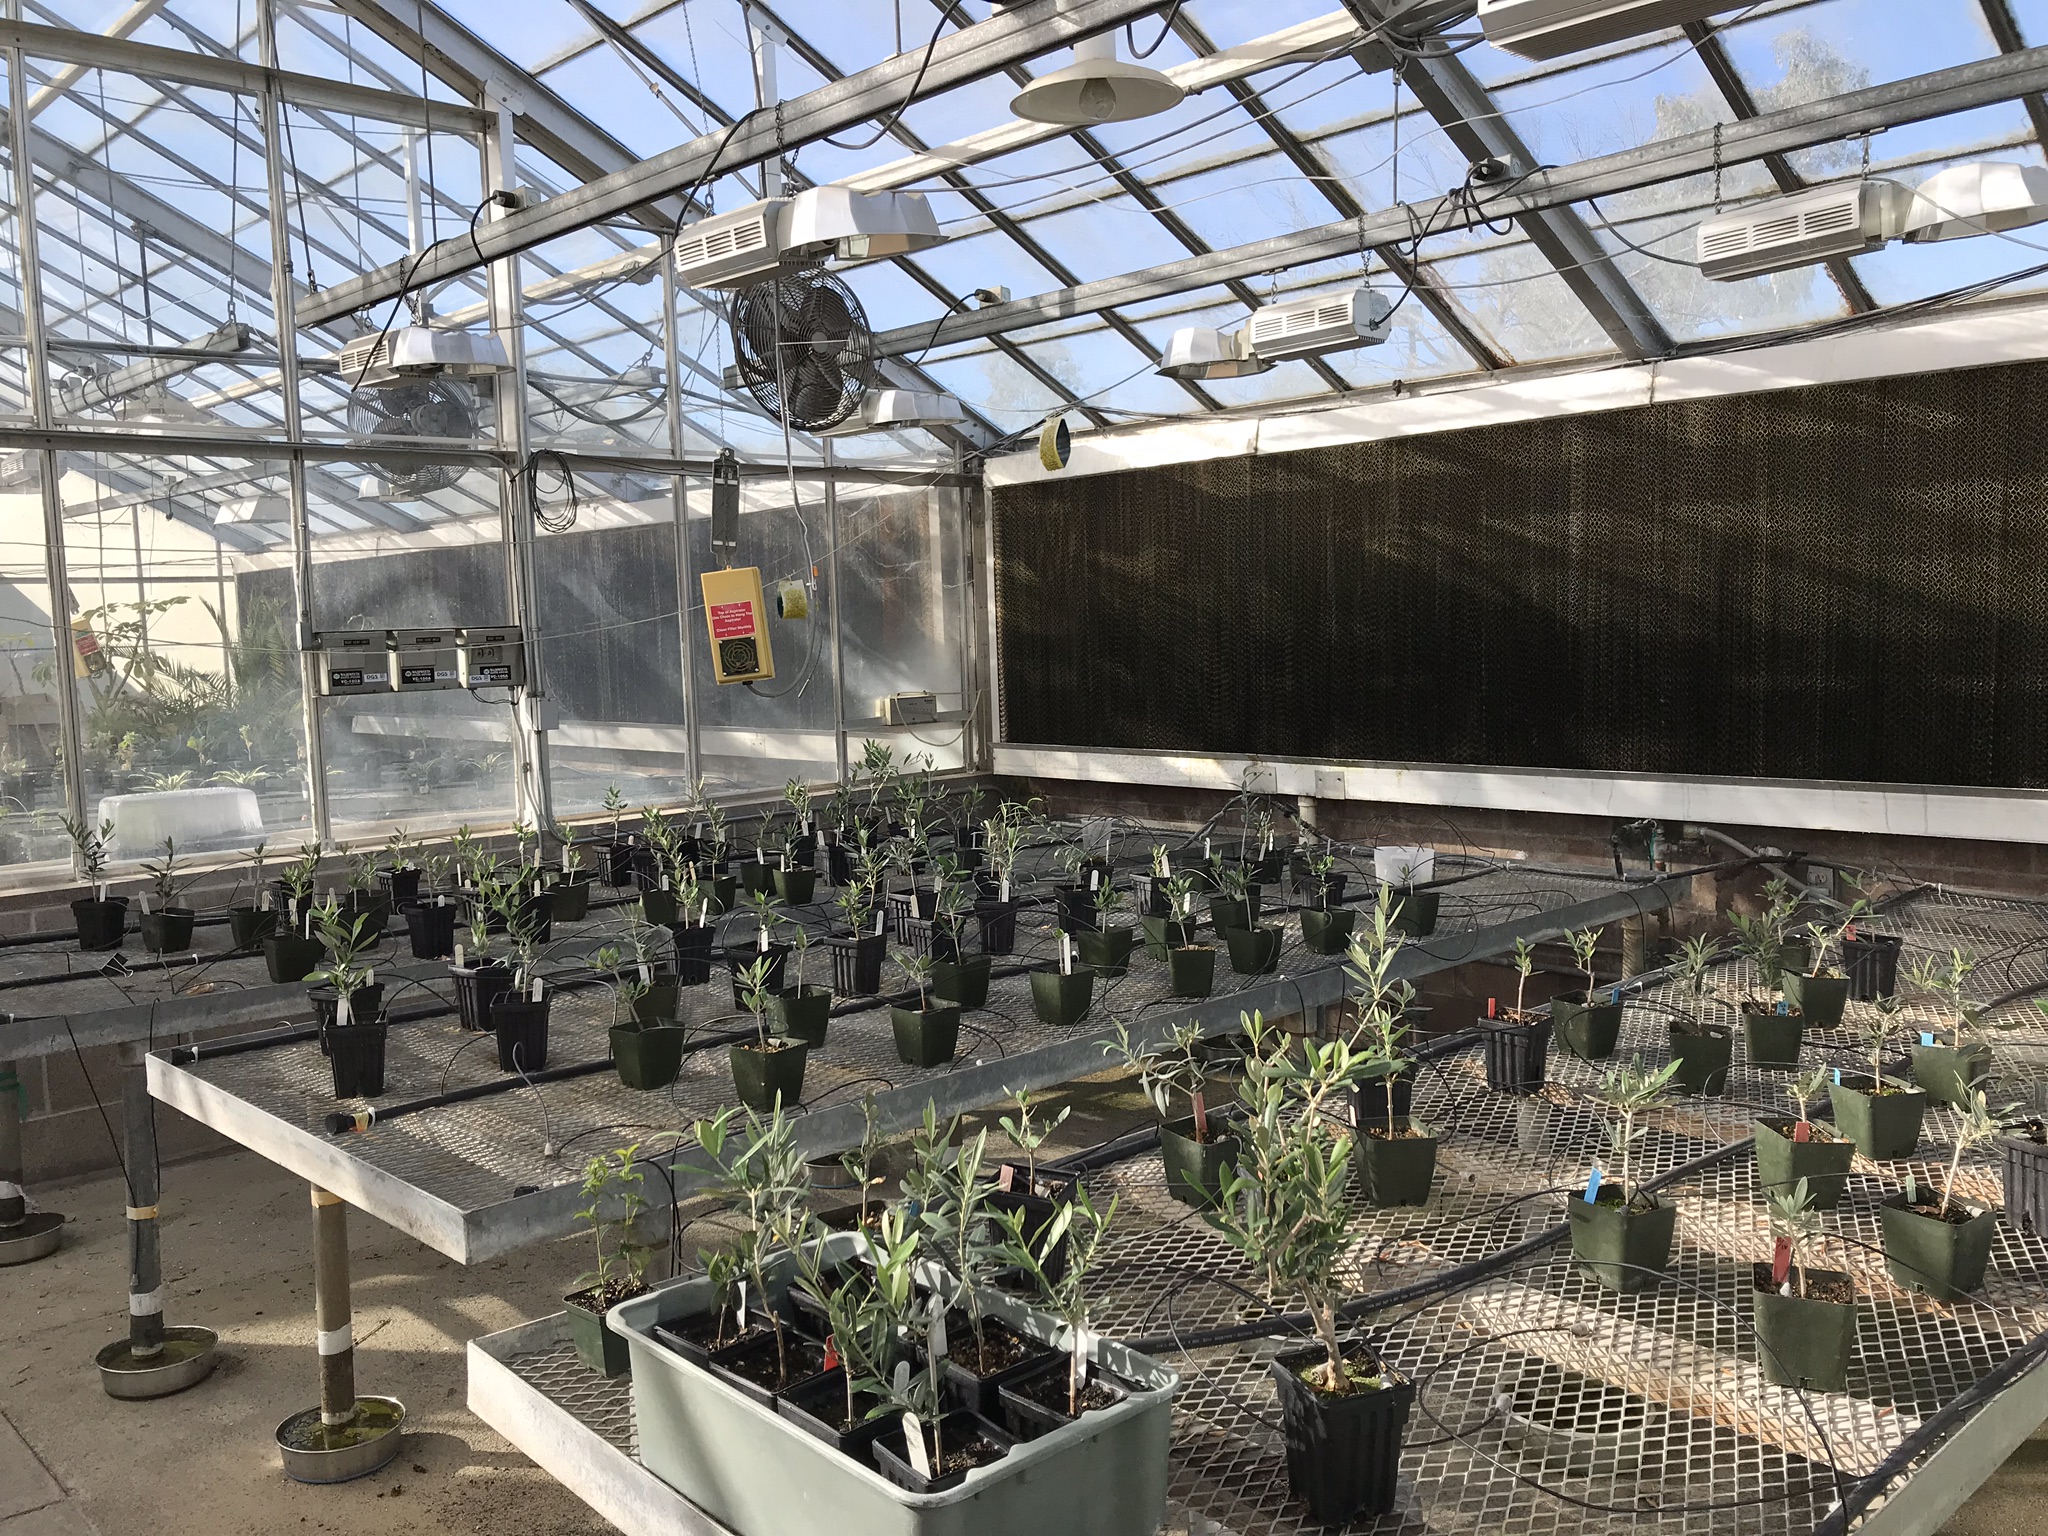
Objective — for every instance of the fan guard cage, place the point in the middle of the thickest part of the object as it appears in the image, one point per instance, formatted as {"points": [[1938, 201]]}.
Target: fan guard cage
{"points": [[825, 346]]}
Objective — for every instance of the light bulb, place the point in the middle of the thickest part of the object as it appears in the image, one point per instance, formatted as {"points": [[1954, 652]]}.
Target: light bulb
{"points": [[1098, 100]]}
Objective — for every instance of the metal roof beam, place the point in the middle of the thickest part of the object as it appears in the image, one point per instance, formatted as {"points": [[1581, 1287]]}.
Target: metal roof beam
{"points": [[1918, 98], [2005, 31]]}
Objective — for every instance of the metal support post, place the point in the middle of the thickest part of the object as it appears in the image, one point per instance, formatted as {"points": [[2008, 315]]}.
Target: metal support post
{"points": [[685, 579], [24, 1235], [347, 1436], [838, 613]]}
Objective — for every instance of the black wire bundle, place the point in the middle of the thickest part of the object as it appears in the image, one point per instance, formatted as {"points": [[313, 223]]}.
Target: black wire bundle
{"points": [[561, 517]]}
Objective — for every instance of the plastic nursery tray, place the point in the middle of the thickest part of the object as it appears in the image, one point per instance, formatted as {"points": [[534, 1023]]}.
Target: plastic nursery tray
{"points": [[761, 1475]]}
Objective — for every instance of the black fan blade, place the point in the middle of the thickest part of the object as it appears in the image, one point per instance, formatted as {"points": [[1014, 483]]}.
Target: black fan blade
{"points": [[817, 394]]}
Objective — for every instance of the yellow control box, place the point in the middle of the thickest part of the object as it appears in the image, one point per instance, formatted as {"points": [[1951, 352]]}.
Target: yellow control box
{"points": [[737, 614]]}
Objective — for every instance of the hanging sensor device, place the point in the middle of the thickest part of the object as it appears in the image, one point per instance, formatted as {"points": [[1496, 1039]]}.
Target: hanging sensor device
{"points": [[493, 658], [353, 661], [424, 658], [725, 504], [737, 613]]}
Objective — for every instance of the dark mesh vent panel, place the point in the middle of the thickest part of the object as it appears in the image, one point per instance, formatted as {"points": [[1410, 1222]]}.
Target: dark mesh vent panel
{"points": [[1848, 582]]}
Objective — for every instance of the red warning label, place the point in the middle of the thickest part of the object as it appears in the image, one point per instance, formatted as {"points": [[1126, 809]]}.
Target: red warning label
{"points": [[730, 620]]}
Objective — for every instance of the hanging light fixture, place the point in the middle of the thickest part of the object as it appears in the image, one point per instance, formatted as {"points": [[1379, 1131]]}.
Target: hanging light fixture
{"points": [[1984, 197], [1097, 87], [1198, 352]]}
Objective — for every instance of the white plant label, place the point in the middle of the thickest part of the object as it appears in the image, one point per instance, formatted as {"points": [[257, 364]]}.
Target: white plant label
{"points": [[1003, 888], [342, 1010], [1205, 850], [937, 1343], [370, 977], [878, 925], [761, 940], [913, 1444], [458, 957], [646, 974], [535, 993], [144, 899], [1084, 1341], [664, 882], [740, 1309], [264, 905]]}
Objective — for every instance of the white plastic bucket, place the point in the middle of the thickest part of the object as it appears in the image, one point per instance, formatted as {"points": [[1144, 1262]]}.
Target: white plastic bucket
{"points": [[1398, 864]]}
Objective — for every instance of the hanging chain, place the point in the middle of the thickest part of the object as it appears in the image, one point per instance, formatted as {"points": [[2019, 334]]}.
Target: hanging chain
{"points": [[1717, 167]]}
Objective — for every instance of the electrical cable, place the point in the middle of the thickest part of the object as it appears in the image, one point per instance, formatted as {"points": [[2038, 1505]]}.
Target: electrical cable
{"points": [[562, 518], [1166, 27], [889, 124]]}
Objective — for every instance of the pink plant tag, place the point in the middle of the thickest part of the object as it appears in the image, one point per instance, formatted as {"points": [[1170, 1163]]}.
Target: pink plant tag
{"points": [[1781, 1261]]}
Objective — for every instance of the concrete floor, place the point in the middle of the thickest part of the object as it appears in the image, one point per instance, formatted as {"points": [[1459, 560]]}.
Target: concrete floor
{"points": [[237, 1258]]}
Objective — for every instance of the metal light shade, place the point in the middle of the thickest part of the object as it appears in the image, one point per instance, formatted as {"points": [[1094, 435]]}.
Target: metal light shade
{"points": [[1198, 352], [1981, 198], [859, 226], [1097, 87], [268, 507]]}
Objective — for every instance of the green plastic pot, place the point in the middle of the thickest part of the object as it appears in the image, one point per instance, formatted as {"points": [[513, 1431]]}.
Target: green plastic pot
{"points": [[1195, 1169], [1417, 917], [796, 887], [1782, 1162], [761, 1077], [1945, 1259], [1163, 935], [964, 982], [1192, 970], [600, 1349], [1802, 1341], [1588, 1031], [657, 1005], [1702, 1059], [1106, 951], [1881, 1125], [1397, 1171], [1772, 1040], [1253, 951], [658, 906], [1328, 933], [1949, 1073], [1226, 913], [647, 1056], [1819, 998], [1062, 1001], [1625, 1250], [926, 1038], [1793, 955], [801, 1013], [755, 877]]}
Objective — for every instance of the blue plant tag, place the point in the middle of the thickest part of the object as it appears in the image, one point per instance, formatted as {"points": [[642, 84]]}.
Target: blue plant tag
{"points": [[1784, 1008], [1927, 1037], [1838, 1076], [1593, 1186], [1614, 995]]}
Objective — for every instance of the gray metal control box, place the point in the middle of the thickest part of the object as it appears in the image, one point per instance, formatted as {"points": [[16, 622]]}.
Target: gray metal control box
{"points": [[353, 661], [425, 658], [494, 658]]}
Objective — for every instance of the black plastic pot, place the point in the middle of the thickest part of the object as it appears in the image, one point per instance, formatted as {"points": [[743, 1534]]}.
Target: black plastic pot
{"points": [[1586, 1030], [1819, 999], [802, 1013], [1163, 935], [1802, 1341], [290, 957], [998, 926], [1882, 1125], [934, 938], [658, 906], [1106, 951], [1702, 1059], [2026, 1183], [1951, 1074], [657, 1005], [400, 886], [600, 1349], [1625, 1250], [476, 988], [250, 926], [762, 1077], [907, 907], [954, 1429], [818, 1407], [693, 952], [722, 891], [739, 960], [101, 924], [618, 863], [364, 1004], [167, 930], [647, 1056], [1872, 962], [1075, 909], [431, 931], [926, 1038], [1944, 1259], [1062, 1001], [1253, 951], [522, 1030], [1327, 932], [1517, 1055], [1195, 1169], [1369, 1100], [1192, 970], [1343, 1453], [1418, 911], [857, 964], [1226, 913], [355, 1056], [369, 914], [1771, 1040], [796, 887], [972, 1391], [1397, 1170], [963, 981], [536, 915], [1781, 1161], [1025, 1418], [756, 877], [572, 898]]}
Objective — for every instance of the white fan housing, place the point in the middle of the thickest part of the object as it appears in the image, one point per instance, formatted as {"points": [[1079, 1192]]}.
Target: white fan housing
{"points": [[1783, 232], [781, 234], [1310, 327], [1544, 29]]}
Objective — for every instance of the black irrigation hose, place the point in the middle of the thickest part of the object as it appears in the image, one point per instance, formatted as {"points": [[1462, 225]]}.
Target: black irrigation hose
{"points": [[1421, 1290]]}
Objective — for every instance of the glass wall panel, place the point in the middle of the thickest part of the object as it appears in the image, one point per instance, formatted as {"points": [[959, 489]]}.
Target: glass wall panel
{"points": [[33, 846]]}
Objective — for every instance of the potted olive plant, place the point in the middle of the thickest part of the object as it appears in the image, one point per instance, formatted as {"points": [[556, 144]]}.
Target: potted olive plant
{"points": [[964, 978], [1197, 1149], [365, 900], [1950, 1073], [166, 924], [1326, 923], [1106, 947], [802, 1011], [1587, 1027], [401, 871], [1620, 1233], [571, 888], [1804, 1152], [1063, 997], [291, 953], [929, 1034], [766, 920], [1934, 1242], [1516, 1040], [1772, 1030], [1002, 838], [1818, 989], [1805, 1317], [1287, 1209], [1060, 1260], [102, 919], [1701, 1051], [349, 1002], [615, 1187], [646, 1050], [1396, 1152], [857, 954], [251, 923], [519, 1016], [767, 1071], [1880, 1116]]}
